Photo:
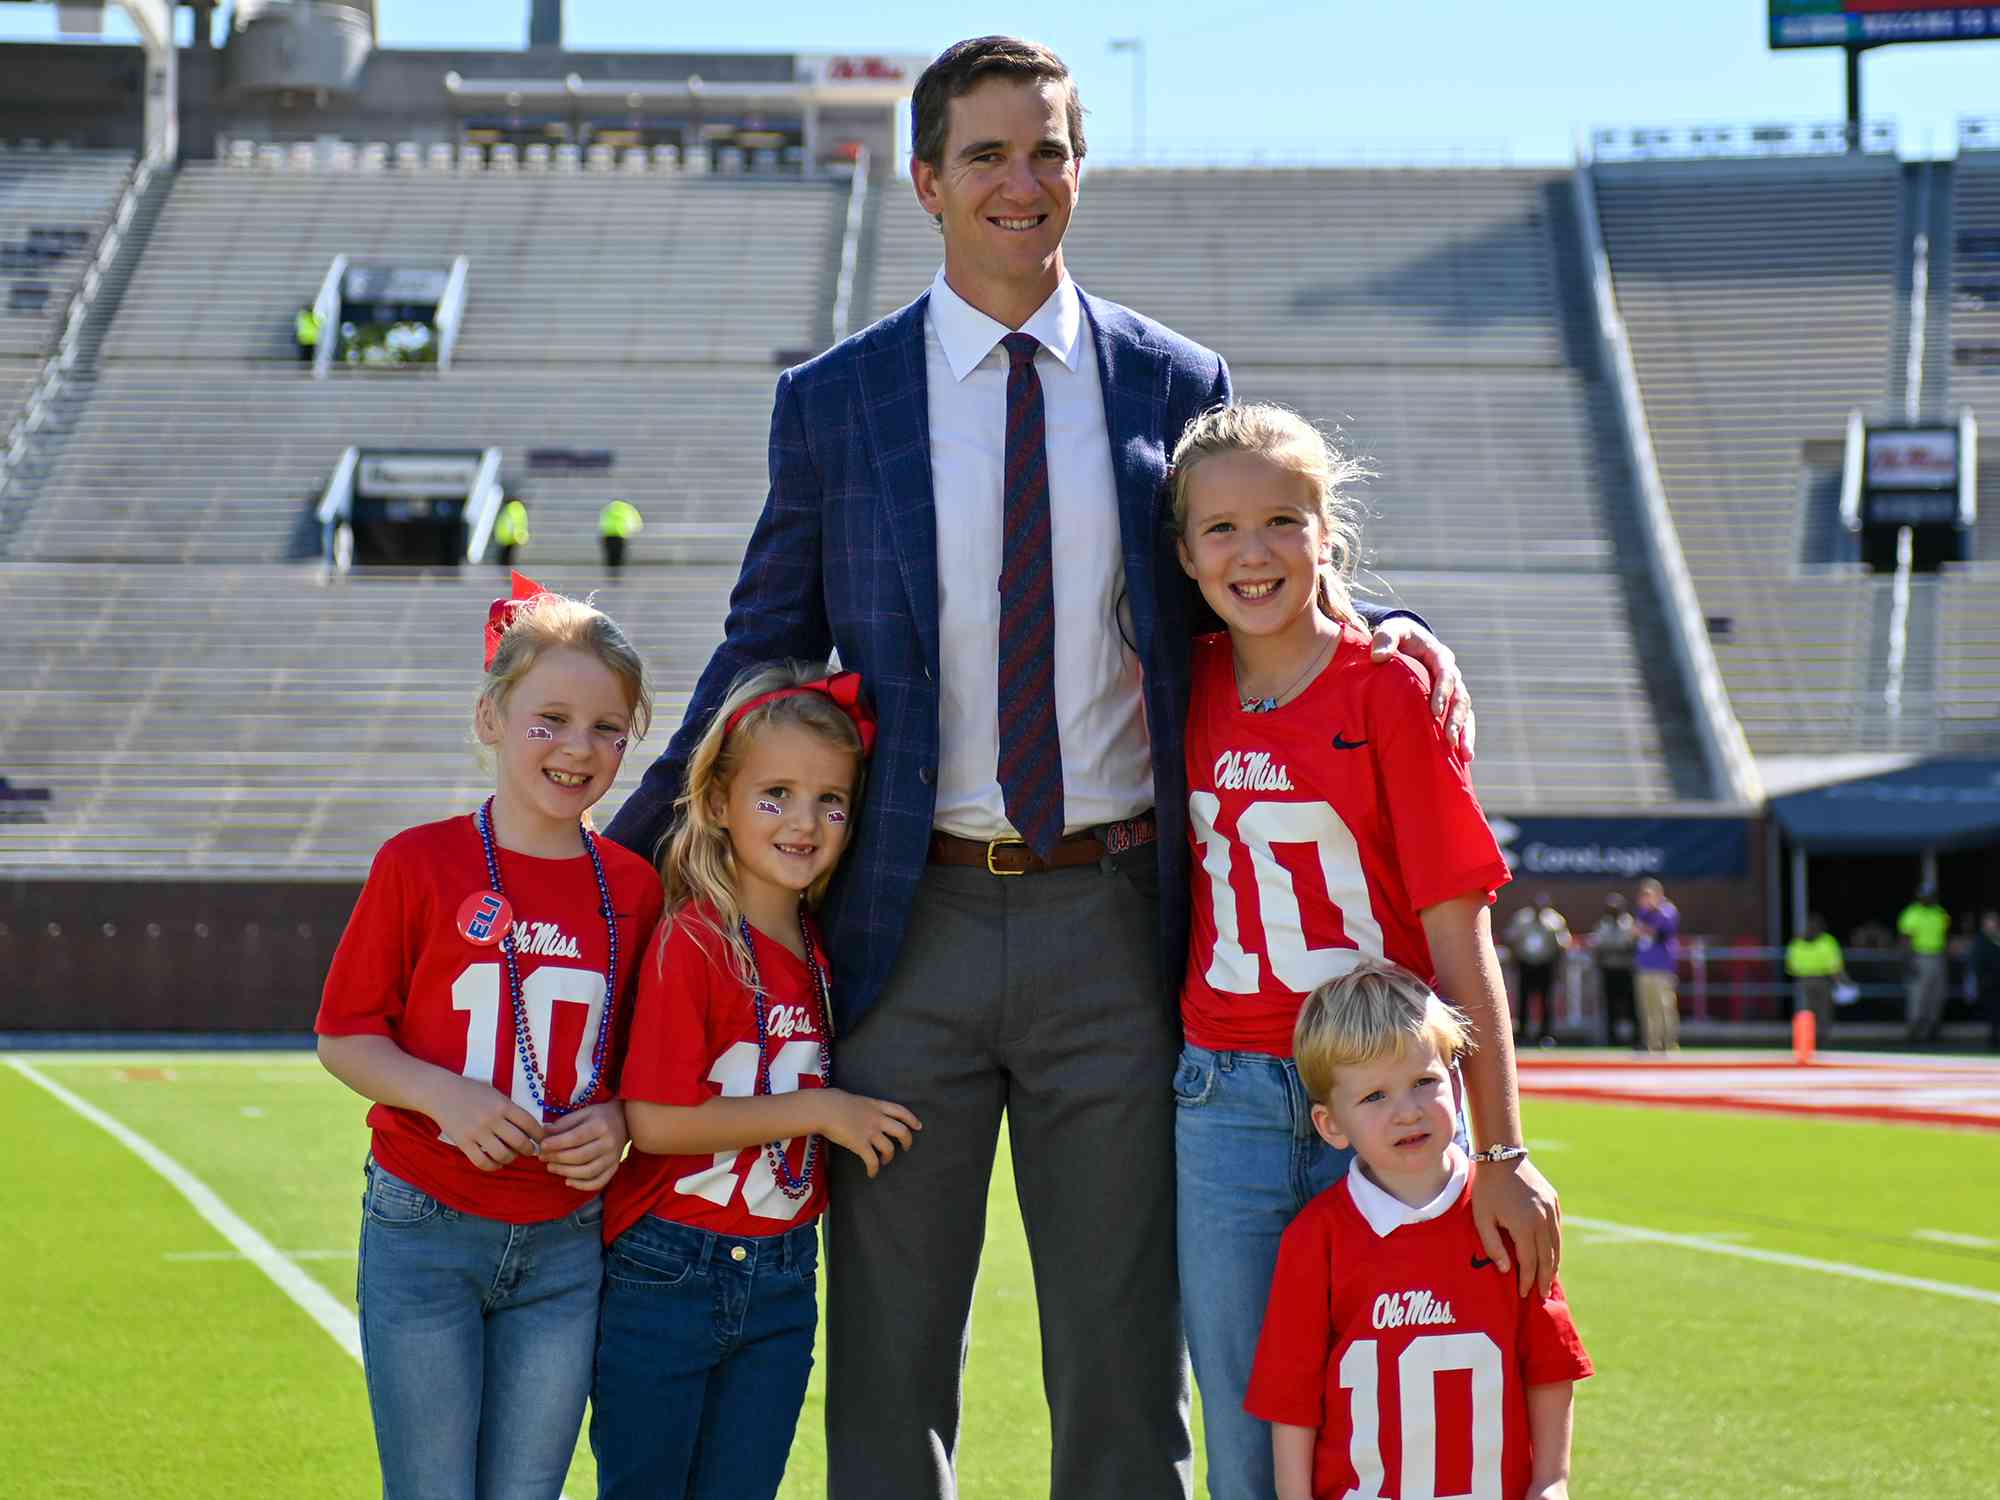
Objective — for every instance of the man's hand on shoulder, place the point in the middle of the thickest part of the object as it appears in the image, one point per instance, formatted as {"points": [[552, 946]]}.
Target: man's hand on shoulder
{"points": [[1451, 701]]}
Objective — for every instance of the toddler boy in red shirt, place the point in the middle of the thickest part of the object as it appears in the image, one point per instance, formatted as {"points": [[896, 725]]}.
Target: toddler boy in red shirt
{"points": [[1396, 1360]]}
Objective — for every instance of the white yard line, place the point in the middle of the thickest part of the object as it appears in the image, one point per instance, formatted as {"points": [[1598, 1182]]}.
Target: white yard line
{"points": [[1714, 1246], [315, 1300], [1948, 1237], [201, 1255]]}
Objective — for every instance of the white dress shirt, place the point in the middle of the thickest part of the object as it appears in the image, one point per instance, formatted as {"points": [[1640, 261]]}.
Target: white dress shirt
{"points": [[1386, 1213], [1106, 753]]}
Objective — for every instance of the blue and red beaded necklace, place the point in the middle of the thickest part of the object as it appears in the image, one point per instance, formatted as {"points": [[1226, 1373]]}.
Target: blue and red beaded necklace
{"points": [[794, 1186], [524, 1042]]}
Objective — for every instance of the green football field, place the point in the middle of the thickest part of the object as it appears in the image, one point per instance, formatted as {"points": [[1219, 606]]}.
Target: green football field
{"points": [[1777, 1306]]}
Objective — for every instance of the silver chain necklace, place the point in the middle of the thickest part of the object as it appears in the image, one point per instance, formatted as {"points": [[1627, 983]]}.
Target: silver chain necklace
{"points": [[1265, 705]]}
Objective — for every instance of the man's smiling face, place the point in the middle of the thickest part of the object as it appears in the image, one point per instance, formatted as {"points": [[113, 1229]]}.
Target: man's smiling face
{"points": [[1004, 192]]}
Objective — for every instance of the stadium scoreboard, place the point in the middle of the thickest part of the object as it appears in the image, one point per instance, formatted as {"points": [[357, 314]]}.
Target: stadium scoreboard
{"points": [[1874, 23], [1912, 476]]}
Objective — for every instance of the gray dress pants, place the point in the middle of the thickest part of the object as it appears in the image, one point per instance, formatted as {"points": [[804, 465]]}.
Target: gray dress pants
{"points": [[1037, 997]]}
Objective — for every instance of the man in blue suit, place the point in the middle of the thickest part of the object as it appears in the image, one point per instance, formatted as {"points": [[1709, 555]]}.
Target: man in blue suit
{"points": [[967, 504]]}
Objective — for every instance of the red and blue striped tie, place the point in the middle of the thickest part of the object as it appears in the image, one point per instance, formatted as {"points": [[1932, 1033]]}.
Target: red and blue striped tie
{"points": [[1030, 766]]}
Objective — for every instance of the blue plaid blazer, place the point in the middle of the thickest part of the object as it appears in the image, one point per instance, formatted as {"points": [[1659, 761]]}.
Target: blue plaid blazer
{"points": [[845, 557]]}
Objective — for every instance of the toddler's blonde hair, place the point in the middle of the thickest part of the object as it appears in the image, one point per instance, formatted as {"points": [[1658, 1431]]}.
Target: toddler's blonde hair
{"points": [[1375, 1010]]}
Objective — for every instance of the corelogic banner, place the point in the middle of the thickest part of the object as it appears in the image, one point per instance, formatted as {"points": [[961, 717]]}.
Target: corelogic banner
{"points": [[1624, 848]]}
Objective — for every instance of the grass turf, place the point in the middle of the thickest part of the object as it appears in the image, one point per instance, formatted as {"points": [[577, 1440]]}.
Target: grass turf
{"points": [[152, 1373]]}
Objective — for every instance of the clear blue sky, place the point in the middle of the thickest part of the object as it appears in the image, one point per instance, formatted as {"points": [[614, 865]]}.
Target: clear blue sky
{"points": [[1309, 77]]}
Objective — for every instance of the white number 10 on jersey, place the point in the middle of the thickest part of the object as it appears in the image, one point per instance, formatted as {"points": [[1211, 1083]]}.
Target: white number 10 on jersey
{"points": [[735, 1073], [477, 992], [1425, 1358], [1232, 970]]}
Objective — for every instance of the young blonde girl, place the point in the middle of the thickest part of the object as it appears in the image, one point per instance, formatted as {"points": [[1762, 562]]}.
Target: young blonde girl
{"points": [[1331, 820], [706, 1334], [477, 996]]}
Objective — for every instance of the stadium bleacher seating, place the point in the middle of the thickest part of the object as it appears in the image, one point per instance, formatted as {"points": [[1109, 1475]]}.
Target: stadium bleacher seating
{"points": [[1759, 298], [1968, 679], [1508, 446], [145, 465], [1558, 726], [1431, 317], [211, 721], [54, 207], [1975, 276], [564, 267], [637, 311], [1444, 267]]}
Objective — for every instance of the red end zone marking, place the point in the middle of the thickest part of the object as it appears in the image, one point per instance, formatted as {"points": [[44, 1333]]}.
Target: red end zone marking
{"points": [[1771, 1107], [1915, 1092]]}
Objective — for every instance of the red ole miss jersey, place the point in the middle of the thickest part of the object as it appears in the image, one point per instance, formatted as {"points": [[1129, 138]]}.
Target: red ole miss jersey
{"points": [[1411, 1353], [694, 1038], [1319, 830], [403, 970]]}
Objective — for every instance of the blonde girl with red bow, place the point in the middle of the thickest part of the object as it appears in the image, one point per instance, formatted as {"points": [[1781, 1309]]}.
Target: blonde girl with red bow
{"points": [[706, 1335], [478, 997]]}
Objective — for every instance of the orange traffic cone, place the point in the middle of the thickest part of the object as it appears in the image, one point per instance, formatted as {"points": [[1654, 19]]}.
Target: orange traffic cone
{"points": [[1805, 1033]]}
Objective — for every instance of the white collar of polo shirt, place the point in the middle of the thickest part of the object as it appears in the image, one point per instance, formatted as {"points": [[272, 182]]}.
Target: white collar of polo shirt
{"points": [[967, 335], [1386, 1213]]}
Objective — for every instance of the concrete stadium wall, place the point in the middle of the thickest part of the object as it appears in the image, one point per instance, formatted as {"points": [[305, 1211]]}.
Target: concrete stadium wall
{"points": [[244, 956], [91, 95]]}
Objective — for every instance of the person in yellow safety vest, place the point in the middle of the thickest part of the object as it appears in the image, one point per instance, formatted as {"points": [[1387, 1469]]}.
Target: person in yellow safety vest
{"points": [[510, 530], [1925, 926], [1815, 961], [306, 325], [617, 523]]}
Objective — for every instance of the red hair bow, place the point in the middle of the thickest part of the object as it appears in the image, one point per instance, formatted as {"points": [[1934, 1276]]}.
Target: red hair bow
{"points": [[502, 614], [844, 688]]}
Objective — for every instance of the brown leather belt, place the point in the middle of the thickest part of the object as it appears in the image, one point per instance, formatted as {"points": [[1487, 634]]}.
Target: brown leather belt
{"points": [[1010, 856]]}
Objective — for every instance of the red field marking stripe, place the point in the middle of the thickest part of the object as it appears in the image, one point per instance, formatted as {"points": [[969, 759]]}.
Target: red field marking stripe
{"points": [[1776, 1063], [1956, 1094], [1774, 1107]]}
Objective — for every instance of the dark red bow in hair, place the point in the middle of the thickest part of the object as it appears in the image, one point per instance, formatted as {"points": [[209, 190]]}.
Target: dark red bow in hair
{"points": [[844, 688], [501, 615]]}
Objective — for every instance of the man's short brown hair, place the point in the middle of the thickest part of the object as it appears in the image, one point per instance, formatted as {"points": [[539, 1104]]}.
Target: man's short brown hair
{"points": [[962, 67]]}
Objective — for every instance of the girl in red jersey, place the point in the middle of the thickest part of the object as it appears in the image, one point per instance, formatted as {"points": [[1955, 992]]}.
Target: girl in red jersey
{"points": [[1331, 820], [705, 1339], [478, 997]]}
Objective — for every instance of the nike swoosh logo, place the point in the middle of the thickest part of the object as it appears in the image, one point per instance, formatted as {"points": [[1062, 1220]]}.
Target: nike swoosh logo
{"points": [[1341, 744], [1481, 1262]]}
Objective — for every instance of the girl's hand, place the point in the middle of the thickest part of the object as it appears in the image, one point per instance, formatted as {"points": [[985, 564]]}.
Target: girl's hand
{"points": [[871, 1128], [484, 1123], [1513, 1196], [1554, 1489], [584, 1149]]}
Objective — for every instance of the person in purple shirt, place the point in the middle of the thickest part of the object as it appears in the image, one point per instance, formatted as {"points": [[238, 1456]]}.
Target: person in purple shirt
{"points": [[1658, 953]]}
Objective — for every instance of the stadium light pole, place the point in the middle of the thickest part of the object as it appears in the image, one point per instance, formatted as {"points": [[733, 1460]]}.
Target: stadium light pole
{"points": [[1136, 45]]}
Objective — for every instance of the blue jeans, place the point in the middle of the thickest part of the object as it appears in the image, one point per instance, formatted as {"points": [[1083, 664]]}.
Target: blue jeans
{"points": [[476, 1337], [1246, 1160], [704, 1345]]}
